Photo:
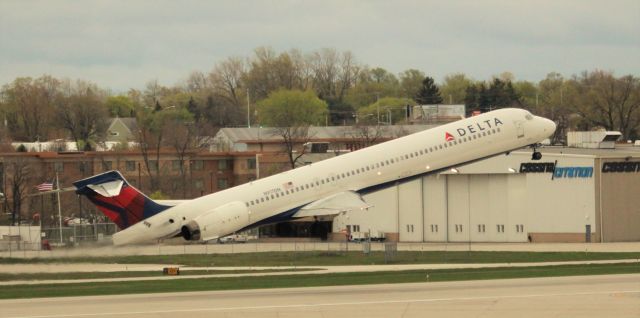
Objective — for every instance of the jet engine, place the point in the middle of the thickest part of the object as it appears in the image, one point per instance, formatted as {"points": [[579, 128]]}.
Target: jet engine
{"points": [[217, 222]]}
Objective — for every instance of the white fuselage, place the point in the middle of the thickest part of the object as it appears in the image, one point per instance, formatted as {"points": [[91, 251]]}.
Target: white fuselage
{"points": [[419, 153]]}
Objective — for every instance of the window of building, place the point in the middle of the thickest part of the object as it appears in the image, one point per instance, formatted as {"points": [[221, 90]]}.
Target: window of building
{"points": [[175, 164], [58, 166], [197, 165], [251, 163], [222, 164], [107, 165], [198, 184], [153, 165], [222, 183], [130, 165]]}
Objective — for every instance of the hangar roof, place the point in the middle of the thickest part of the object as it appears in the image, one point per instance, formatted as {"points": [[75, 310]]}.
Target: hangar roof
{"points": [[621, 151]]}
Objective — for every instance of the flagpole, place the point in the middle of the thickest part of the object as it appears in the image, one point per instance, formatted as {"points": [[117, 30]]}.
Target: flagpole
{"points": [[59, 210]]}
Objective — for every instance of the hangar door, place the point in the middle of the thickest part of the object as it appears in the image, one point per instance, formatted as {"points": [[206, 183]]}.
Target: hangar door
{"points": [[458, 208], [410, 211]]}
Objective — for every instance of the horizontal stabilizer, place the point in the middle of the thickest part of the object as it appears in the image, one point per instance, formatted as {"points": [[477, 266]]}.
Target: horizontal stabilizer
{"points": [[109, 189], [333, 205]]}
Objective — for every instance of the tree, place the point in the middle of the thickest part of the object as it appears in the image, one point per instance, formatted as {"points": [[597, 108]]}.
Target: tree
{"points": [[29, 106], [410, 82], [82, 113], [363, 134], [120, 106], [371, 85], [18, 175], [181, 131], [290, 113], [604, 100], [454, 88], [381, 110], [151, 136], [429, 93], [499, 94]]}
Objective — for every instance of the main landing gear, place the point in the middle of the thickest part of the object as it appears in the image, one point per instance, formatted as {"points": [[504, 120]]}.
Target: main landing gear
{"points": [[536, 154]]}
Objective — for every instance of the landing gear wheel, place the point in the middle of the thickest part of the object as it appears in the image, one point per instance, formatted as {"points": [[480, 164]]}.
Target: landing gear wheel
{"points": [[536, 154]]}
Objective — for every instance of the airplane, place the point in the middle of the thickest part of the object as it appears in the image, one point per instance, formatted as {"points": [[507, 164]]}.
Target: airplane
{"points": [[319, 190]]}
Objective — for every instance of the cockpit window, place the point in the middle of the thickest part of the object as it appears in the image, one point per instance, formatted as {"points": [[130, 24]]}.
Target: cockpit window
{"points": [[528, 116]]}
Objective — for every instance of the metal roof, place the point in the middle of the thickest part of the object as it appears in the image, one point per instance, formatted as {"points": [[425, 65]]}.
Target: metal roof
{"points": [[317, 133]]}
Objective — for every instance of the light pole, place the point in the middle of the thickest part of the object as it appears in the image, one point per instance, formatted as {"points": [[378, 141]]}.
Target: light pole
{"points": [[258, 155]]}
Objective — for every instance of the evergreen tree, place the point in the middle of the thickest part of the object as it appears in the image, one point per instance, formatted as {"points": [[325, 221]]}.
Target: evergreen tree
{"points": [[471, 98], [428, 93]]}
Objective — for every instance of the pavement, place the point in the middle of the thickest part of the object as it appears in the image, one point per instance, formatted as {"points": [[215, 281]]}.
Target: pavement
{"points": [[165, 249], [576, 296]]}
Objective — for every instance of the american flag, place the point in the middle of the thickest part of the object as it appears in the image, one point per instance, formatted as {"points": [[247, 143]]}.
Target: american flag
{"points": [[46, 186]]}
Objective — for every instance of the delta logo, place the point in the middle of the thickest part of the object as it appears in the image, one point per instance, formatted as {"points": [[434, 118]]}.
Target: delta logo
{"points": [[448, 137]]}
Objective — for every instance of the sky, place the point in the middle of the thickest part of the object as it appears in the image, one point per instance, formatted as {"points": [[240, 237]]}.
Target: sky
{"points": [[125, 44]]}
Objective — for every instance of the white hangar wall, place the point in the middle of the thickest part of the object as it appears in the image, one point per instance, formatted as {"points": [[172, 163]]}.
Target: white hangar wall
{"points": [[487, 201]]}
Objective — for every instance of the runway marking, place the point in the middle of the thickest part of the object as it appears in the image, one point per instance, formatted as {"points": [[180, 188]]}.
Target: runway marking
{"points": [[150, 312]]}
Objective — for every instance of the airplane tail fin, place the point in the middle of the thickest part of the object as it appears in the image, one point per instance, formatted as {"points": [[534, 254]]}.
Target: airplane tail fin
{"points": [[117, 199]]}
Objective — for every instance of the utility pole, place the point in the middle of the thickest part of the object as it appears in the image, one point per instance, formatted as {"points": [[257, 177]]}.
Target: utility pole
{"points": [[248, 111]]}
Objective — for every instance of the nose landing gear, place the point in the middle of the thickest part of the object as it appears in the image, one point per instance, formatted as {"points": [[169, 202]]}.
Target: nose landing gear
{"points": [[536, 154]]}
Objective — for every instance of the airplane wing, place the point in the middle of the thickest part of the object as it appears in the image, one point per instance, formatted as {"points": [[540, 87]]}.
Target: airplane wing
{"points": [[333, 205]]}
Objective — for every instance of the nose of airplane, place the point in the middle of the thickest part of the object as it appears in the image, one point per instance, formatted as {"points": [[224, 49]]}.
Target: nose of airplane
{"points": [[549, 126]]}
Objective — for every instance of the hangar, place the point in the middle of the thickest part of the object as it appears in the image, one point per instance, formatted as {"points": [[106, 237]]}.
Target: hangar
{"points": [[571, 195]]}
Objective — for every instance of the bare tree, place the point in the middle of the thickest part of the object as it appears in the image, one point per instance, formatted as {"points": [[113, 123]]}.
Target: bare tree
{"points": [[363, 135], [83, 114], [18, 175], [28, 107], [603, 100], [295, 139]]}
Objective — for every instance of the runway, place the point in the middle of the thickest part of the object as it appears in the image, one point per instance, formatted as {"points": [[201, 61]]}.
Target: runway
{"points": [[580, 296]]}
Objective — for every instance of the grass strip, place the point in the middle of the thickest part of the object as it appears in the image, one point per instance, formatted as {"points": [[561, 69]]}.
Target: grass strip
{"points": [[126, 274], [209, 284], [335, 258]]}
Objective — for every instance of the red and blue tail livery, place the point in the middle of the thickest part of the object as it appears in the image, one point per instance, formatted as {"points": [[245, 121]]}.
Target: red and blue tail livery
{"points": [[117, 199]]}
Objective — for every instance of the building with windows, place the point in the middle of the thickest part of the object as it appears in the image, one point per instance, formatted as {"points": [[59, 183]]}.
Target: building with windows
{"points": [[167, 174], [571, 195]]}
